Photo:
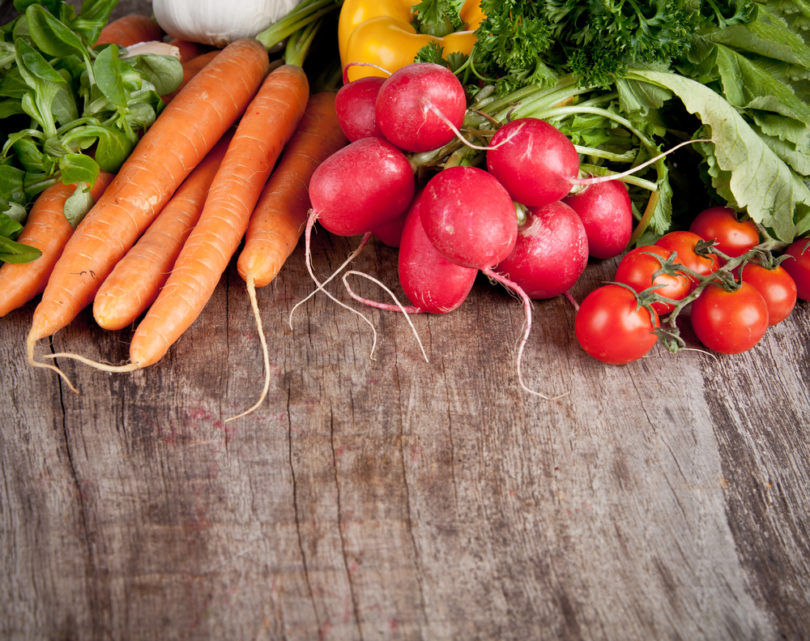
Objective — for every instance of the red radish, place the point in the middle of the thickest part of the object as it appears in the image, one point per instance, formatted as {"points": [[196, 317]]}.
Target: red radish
{"points": [[363, 185], [431, 282], [534, 160], [354, 105], [551, 251], [390, 233], [607, 214], [417, 104], [469, 217]]}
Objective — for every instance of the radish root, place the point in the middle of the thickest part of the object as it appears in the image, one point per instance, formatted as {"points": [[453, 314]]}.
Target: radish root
{"points": [[460, 135], [399, 307], [321, 285], [527, 309]]}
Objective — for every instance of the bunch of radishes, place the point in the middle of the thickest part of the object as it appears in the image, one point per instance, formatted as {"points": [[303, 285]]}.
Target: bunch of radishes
{"points": [[516, 220]]}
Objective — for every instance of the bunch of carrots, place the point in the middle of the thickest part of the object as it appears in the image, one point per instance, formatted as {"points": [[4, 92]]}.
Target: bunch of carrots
{"points": [[228, 160]]}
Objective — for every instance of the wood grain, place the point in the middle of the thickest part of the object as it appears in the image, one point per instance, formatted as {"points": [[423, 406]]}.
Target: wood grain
{"points": [[393, 498]]}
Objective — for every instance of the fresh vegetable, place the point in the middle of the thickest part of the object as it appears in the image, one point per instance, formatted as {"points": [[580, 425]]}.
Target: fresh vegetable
{"points": [[469, 217], [534, 160], [420, 106], [688, 249], [355, 104], [731, 236], [551, 251], [433, 284], [797, 264], [607, 215], [363, 185], [266, 126], [46, 231], [129, 30], [613, 327], [389, 34], [776, 287], [652, 266], [136, 279], [281, 211], [218, 23], [186, 131], [190, 69], [729, 321]]}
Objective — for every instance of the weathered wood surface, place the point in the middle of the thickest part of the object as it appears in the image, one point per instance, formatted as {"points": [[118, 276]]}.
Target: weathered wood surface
{"points": [[390, 498]]}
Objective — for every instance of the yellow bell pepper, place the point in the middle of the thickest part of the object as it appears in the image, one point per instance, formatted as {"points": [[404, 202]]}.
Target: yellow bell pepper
{"points": [[380, 32]]}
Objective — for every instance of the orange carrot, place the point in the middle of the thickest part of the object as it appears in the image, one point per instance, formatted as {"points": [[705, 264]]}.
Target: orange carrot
{"points": [[179, 139], [190, 69], [135, 281], [267, 125], [48, 230], [281, 212], [129, 30]]}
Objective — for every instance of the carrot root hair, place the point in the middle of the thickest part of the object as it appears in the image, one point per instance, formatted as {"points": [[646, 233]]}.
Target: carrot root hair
{"points": [[251, 288], [104, 367], [30, 345]]}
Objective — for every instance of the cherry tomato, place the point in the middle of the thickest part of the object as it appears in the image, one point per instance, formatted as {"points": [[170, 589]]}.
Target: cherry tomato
{"points": [[637, 267], [612, 327], [729, 322], [777, 288], [683, 244], [733, 237], [797, 264]]}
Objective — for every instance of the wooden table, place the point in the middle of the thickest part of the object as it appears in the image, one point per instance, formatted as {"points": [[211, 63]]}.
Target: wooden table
{"points": [[393, 498]]}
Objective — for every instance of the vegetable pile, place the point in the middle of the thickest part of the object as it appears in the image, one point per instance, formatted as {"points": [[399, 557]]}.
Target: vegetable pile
{"points": [[519, 140]]}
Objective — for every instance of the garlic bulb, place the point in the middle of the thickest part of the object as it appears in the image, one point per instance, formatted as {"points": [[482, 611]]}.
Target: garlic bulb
{"points": [[218, 22]]}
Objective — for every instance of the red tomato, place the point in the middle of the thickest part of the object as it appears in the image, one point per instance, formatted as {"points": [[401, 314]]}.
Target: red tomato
{"points": [[777, 288], [612, 327], [683, 244], [798, 266], [733, 237], [637, 267], [729, 322]]}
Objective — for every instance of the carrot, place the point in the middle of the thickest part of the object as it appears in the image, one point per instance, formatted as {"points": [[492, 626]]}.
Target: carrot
{"points": [[190, 69], [48, 230], [129, 30], [179, 139], [267, 125], [281, 212], [135, 281]]}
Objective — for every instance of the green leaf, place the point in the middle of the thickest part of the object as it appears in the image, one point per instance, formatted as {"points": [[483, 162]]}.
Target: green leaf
{"points": [[107, 70], [164, 72], [744, 170], [14, 252], [9, 227], [92, 17], [52, 36], [113, 148], [78, 204], [11, 183], [78, 168]]}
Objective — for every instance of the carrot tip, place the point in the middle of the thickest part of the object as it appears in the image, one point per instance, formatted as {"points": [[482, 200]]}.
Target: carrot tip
{"points": [[251, 288], [30, 344]]}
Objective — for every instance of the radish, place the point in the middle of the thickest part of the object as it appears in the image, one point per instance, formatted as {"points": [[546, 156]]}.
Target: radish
{"points": [[607, 214], [534, 160], [430, 281], [365, 184], [355, 104], [419, 106], [551, 251], [469, 217], [390, 233]]}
